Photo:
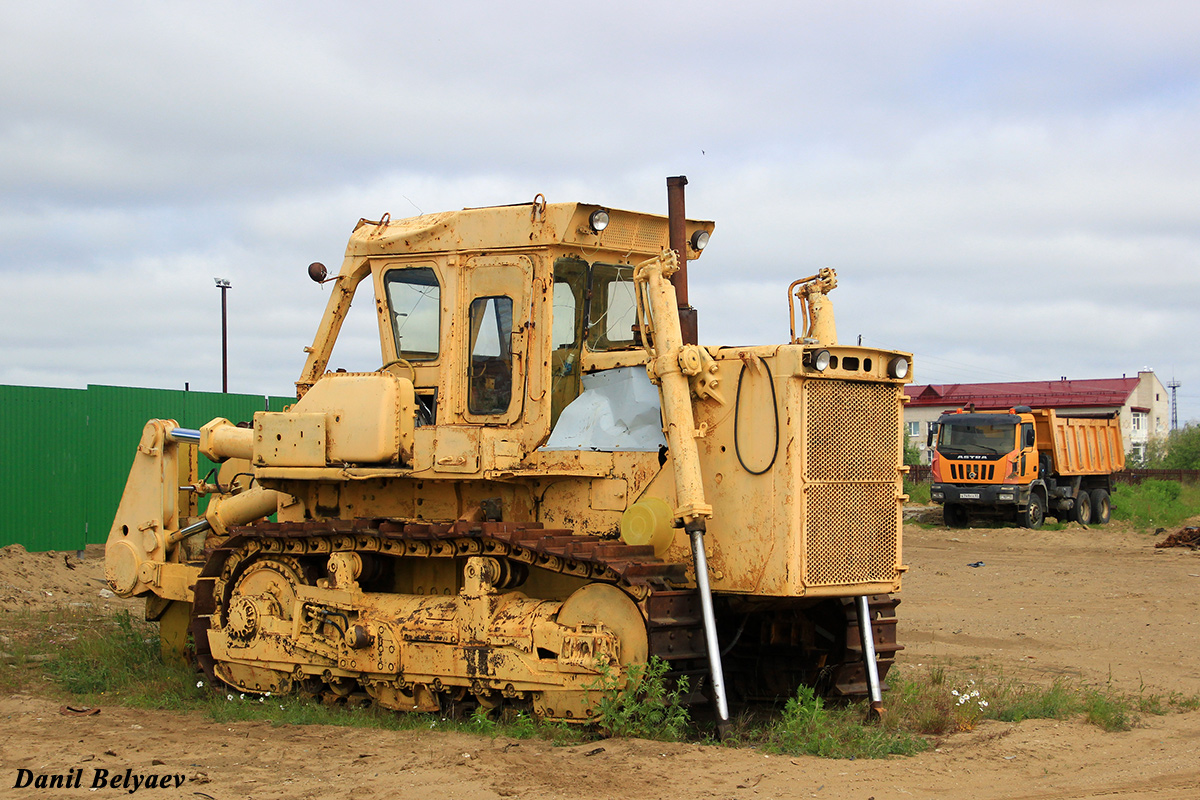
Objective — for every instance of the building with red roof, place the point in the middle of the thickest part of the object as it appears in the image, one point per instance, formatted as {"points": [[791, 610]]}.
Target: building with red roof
{"points": [[1141, 403]]}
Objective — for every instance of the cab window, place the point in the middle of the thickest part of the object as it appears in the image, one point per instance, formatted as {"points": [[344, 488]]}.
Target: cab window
{"points": [[612, 309], [414, 305], [570, 290], [490, 346], [564, 328]]}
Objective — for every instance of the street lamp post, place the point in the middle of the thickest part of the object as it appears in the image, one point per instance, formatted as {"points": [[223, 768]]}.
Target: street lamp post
{"points": [[224, 285]]}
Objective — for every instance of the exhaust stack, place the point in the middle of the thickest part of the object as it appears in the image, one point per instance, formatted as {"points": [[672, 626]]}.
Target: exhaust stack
{"points": [[677, 228]]}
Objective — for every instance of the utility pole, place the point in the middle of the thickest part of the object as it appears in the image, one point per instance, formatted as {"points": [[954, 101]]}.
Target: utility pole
{"points": [[224, 285], [1173, 385]]}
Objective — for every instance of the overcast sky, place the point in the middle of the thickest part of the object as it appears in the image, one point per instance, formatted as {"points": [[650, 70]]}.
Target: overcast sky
{"points": [[1011, 191]]}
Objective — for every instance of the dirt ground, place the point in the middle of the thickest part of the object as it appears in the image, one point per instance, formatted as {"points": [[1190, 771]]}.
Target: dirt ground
{"points": [[1101, 604]]}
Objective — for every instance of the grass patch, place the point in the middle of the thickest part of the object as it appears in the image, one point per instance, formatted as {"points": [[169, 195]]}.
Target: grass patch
{"points": [[115, 660], [1157, 504], [918, 493], [808, 726], [939, 702], [119, 657]]}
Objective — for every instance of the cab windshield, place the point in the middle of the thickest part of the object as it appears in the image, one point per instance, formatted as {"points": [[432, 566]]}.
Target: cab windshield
{"points": [[977, 434]]}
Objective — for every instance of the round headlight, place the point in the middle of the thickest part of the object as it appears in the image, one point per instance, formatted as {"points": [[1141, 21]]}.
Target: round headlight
{"points": [[598, 220], [818, 360], [699, 240], [898, 367]]}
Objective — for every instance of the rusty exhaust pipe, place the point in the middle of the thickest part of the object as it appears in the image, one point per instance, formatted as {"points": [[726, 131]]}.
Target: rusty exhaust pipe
{"points": [[677, 228]]}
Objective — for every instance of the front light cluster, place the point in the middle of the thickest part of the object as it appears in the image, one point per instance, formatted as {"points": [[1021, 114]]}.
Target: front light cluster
{"points": [[817, 359], [598, 220]]}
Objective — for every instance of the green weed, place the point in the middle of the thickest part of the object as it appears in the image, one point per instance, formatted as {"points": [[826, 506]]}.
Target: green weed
{"points": [[1157, 504], [1017, 702], [117, 656], [808, 726], [646, 706], [1108, 710], [522, 725]]}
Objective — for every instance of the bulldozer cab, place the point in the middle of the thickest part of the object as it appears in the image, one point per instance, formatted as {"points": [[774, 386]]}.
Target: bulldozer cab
{"points": [[496, 314]]}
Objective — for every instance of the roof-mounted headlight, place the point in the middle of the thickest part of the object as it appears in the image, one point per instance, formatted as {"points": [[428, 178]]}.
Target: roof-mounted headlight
{"points": [[598, 221], [699, 240], [816, 359], [898, 367]]}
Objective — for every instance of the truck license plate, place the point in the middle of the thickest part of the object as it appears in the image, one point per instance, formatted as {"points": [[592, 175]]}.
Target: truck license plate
{"points": [[969, 495]]}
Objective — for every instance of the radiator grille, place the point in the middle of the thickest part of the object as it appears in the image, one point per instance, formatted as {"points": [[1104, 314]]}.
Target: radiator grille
{"points": [[851, 533], [853, 431], [970, 471], [853, 450]]}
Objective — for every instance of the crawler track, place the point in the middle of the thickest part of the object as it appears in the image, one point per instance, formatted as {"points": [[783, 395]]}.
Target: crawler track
{"points": [[771, 648]]}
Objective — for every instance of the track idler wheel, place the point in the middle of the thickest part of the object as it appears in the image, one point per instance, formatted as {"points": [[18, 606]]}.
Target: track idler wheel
{"points": [[596, 606]]}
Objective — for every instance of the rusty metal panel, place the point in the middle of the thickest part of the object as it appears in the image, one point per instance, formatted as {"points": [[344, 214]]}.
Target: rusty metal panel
{"points": [[456, 449], [290, 440], [610, 494], [41, 467]]}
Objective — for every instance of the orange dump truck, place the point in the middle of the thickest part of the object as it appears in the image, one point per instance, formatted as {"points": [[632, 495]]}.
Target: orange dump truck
{"points": [[1021, 463]]}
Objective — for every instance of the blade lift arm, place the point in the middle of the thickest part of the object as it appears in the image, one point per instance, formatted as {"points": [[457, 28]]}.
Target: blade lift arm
{"points": [[670, 363]]}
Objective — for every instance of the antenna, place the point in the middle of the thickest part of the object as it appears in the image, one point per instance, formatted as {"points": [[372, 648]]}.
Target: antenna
{"points": [[1173, 385]]}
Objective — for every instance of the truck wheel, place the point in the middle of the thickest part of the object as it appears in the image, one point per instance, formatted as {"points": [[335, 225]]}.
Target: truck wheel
{"points": [[1082, 513], [955, 515], [1034, 514], [1101, 507]]}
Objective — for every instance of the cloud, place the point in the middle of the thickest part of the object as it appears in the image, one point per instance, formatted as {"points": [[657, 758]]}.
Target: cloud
{"points": [[1029, 169]]}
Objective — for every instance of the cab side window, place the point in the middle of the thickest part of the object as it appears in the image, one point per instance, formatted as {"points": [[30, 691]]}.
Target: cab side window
{"points": [[489, 384], [570, 281], [414, 304], [613, 309]]}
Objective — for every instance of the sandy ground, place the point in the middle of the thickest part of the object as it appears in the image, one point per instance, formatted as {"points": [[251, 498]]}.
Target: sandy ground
{"points": [[1100, 604]]}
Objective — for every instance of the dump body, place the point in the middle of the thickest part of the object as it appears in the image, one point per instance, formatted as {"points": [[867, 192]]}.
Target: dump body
{"points": [[501, 506], [1080, 445], [1024, 463]]}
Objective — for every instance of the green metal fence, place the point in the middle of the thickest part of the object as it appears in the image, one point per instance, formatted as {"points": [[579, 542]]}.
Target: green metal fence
{"points": [[65, 454]]}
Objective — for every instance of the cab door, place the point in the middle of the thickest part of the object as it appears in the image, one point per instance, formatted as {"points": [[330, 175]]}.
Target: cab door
{"points": [[495, 305], [1028, 467]]}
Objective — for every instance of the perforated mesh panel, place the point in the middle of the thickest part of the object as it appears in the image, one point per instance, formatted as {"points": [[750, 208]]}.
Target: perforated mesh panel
{"points": [[636, 234], [853, 431], [851, 533], [853, 448]]}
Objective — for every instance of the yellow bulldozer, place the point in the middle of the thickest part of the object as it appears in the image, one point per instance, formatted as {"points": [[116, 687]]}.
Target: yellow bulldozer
{"points": [[546, 482]]}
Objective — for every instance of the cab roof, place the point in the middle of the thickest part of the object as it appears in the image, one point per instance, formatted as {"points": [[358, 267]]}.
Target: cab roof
{"points": [[516, 226]]}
